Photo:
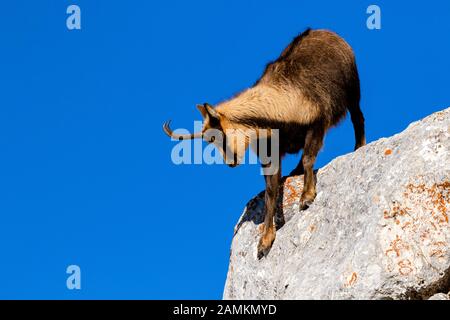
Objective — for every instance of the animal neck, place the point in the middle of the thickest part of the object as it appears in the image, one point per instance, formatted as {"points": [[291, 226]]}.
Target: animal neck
{"points": [[249, 104], [262, 106]]}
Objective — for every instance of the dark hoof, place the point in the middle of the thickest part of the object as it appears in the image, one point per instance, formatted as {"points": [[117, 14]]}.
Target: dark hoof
{"points": [[262, 253], [265, 244], [306, 201], [279, 222], [305, 204]]}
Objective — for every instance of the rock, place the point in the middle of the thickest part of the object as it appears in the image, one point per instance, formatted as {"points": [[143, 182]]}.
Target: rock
{"points": [[440, 296], [378, 229]]}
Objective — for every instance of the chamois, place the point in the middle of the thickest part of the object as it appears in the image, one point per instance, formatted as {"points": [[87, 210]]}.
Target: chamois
{"points": [[303, 93]]}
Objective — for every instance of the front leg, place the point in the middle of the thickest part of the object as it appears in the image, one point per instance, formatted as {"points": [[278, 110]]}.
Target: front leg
{"points": [[271, 198]]}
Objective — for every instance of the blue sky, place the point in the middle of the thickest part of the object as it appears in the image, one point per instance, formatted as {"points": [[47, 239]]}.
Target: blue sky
{"points": [[86, 176]]}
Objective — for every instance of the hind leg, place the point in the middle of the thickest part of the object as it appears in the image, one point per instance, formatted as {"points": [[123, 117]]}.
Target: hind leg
{"points": [[313, 143], [358, 125]]}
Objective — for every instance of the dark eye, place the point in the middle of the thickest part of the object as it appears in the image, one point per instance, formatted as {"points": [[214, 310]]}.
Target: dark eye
{"points": [[212, 139]]}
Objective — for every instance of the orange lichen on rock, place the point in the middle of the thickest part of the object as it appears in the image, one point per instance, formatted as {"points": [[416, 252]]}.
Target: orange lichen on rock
{"points": [[351, 280], [397, 246], [387, 152], [438, 249], [438, 195], [292, 191], [407, 224], [395, 211], [405, 267], [418, 219]]}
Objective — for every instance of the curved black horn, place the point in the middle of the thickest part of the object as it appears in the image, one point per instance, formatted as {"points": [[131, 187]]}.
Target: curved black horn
{"points": [[169, 132]]}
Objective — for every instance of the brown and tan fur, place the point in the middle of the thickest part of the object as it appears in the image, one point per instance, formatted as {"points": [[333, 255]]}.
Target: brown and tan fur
{"points": [[303, 93]]}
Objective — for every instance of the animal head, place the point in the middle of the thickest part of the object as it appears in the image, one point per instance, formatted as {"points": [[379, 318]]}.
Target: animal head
{"points": [[229, 138]]}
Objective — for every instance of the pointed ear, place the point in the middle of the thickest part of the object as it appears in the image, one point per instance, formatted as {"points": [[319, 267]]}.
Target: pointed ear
{"points": [[211, 112], [202, 110], [208, 112]]}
